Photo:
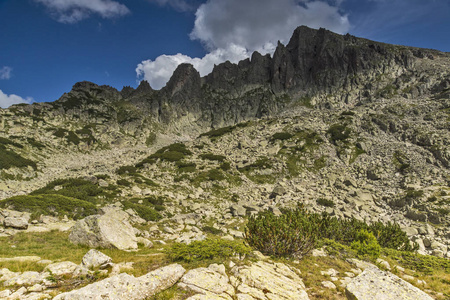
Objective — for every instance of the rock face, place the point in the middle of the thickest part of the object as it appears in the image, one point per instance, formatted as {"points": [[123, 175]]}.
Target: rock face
{"points": [[260, 280], [374, 284], [110, 230], [127, 287]]}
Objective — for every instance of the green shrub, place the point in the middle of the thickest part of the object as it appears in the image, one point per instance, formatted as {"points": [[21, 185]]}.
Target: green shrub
{"points": [[126, 169], [296, 232], [261, 163], [212, 230], [54, 205], [123, 182], [291, 234], [9, 159], [154, 200], [5, 141], [366, 244], [207, 249], [338, 132], [75, 188], [145, 212], [225, 166], [186, 167], [325, 202], [218, 132], [172, 153], [210, 156], [281, 136]]}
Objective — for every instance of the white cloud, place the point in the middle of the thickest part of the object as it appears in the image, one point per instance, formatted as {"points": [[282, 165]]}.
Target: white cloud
{"points": [[5, 72], [180, 5], [234, 29], [159, 71], [8, 100], [72, 11]]}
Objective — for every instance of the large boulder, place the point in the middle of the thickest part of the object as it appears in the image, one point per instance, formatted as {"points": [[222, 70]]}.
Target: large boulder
{"points": [[374, 284], [110, 230], [128, 287]]}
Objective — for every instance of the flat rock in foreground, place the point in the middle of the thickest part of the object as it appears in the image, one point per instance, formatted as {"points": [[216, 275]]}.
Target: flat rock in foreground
{"points": [[374, 284], [128, 287]]}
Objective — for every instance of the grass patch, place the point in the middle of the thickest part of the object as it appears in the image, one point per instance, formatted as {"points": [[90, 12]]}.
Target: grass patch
{"points": [[172, 153], [338, 132], [207, 250], [146, 212], [54, 205]]}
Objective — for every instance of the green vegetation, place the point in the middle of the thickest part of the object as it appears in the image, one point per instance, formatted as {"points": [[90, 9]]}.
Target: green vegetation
{"points": [[401, 162], [76, 188], [144, 211], [260, 164], [366, 244], [338, 132], [207, 249], [225, 166], [5, 141], [212, 230], [54, 205], [186, 167], [123, 182], [281, 136], [296, 232], [171, 153], [70, 136], [9, 159], [213, 157], [325, 202], [216, 133], [126, 169]]}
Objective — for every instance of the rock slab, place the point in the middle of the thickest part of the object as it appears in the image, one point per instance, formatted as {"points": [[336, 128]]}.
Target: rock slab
{"points": [[128, 287], [374, 284]]}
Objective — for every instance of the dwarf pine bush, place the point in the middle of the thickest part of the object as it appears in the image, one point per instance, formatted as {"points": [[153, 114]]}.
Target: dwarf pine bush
{"points": [[296, 232], [366, 244]]}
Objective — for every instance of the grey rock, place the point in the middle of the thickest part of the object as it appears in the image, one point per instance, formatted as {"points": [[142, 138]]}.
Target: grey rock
{"points": [[96, 259], [16, 222], [104, 231], [62, 268], [374, 284], [128, 287]]}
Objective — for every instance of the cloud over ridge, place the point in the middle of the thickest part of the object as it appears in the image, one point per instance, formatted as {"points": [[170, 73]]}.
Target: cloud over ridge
{"points": [[73, 11], [8, 100], [232, 30]]}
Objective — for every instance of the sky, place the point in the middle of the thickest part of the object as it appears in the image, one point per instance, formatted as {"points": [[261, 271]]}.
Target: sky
{"points": [[46, 46]]}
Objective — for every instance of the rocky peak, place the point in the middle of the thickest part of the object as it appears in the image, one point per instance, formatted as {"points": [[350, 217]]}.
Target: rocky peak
{"points": [[185, 80], [144, 87]]}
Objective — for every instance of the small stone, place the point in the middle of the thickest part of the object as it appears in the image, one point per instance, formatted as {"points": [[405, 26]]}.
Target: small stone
{"points": [[329, 285], [96, 259]]}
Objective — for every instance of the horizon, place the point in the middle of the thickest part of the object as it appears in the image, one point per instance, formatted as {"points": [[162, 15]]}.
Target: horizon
{"points": [[51, 44]]}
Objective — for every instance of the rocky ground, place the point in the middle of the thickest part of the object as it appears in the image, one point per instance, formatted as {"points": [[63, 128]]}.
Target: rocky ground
{"points": [[357, 131]]}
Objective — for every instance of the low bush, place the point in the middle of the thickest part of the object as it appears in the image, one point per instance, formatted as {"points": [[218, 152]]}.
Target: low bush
{"points": [[125, 170], [186, 167], [338, 132], [53, 205], [123, 182], [281, 136], [212, 230], [366, 244], [207, 249], [172, 153], [144, 211], [225, 166], [73, 187], [210, 156], [218, 132], [296, 232], [325, 202], [291, 234], [9, 159]]}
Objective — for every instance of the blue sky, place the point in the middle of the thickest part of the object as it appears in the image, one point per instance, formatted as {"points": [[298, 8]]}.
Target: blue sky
{"points": [[46, 46]]}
